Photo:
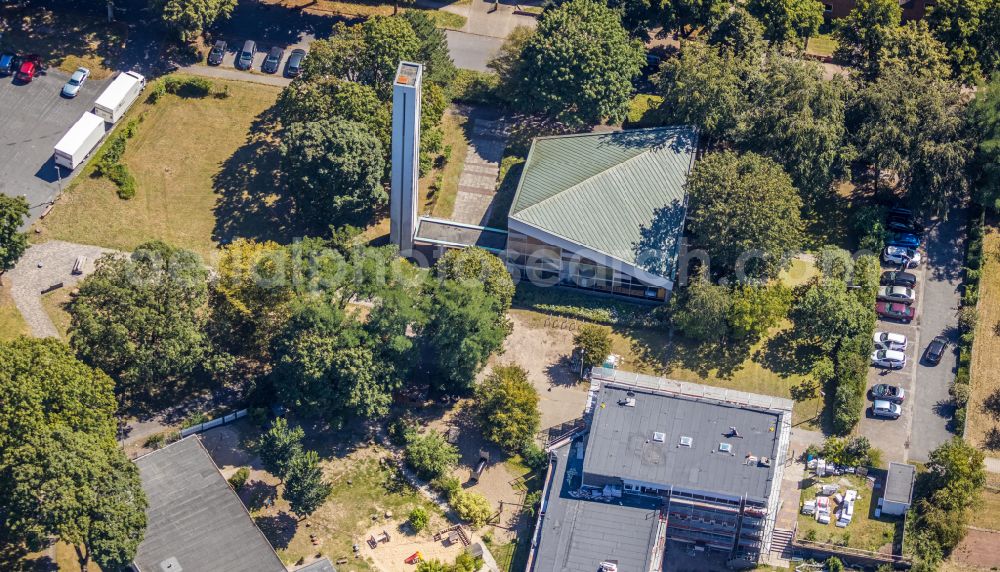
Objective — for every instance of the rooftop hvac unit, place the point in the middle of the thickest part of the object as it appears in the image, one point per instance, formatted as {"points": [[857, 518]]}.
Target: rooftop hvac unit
{"points": [[609, 566], [725, 448], [686, 441], [659, 437]]}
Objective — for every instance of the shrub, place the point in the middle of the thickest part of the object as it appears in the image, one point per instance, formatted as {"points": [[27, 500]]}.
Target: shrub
{"points": [[112, 153], [155, 441], [531, 500], [418, 519], [472, 507], [158, 90], [960, 394], [188, 86], [833, 564], [507, 407], [447, 485], [399, 431], [259, 416], [866, 222], [131, 127], [534, 457], [123, 179], [430, 455], [239, 478], [195, 419], [474, 87]]}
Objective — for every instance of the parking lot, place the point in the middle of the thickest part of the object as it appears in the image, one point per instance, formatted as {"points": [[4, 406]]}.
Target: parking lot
{"points": [[35, 118], [926, 409]]}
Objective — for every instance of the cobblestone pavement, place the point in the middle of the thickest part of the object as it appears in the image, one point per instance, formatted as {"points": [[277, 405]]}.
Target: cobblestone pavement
{"points": [[42, 266], [478, 181]]}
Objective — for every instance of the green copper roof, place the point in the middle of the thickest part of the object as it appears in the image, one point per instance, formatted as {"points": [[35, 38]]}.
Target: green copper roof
{"points": [[620, 193]]}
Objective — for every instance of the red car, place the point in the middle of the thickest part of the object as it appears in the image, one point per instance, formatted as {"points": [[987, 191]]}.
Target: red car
{"points": [[895, 311], [27, 70]]}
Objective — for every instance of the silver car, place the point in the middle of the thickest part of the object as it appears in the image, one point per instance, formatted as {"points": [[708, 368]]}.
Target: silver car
{"points": [[890, 359], [75, 82], [896, 294], [887, 409]]}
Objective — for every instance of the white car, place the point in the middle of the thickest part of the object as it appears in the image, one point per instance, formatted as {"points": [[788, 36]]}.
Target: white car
{"points": [[891, 359], [75, 82], [886, 409], [900, 294], [890, 341], [901, 255]]}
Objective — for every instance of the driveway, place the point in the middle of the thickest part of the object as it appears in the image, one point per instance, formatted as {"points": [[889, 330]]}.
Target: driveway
{"points": [[927, 408], [35, 117], [472, 51]]}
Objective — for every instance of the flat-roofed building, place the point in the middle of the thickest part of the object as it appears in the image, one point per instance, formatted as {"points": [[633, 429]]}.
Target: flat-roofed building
{"points": [[898, 488]]}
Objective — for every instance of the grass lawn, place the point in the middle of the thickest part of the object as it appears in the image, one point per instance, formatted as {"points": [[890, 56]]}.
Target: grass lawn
{"points": [[367, 9], [200, 178], [987, 513], [55, 306], [441, 203], [865, 532], [12, 324], [986, 349], [821, 45], [65, 39]]}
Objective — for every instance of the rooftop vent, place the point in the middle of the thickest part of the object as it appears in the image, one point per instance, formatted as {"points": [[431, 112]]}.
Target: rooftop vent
{"points": [[725, 448], [686, 441], [627, 402], [170, 565], [659, 436]]}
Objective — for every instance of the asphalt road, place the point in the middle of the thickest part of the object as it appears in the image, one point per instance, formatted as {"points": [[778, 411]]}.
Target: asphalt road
{"points": [[941, 297], [35, 118], [472, 51]]}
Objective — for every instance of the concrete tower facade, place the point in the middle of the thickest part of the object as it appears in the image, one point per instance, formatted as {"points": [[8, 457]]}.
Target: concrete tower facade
{"points": [[403, 196]]}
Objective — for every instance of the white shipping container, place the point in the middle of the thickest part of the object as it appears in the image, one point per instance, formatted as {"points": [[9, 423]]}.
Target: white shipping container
{"points": [[81, 139], [119, 96]]}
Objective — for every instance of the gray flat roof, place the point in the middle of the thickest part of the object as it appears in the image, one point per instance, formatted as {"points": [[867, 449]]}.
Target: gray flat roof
{"points": [[899, 483], [577, 535], [621, 442], [323, 565], [195, 517]]}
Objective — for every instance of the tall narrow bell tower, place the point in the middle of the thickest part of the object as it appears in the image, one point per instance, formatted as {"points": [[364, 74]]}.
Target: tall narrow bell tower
{"points": [[403, 196]]}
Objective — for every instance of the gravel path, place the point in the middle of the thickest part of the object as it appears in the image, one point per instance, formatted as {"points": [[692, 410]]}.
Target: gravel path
{"points": [[235, 74], [44, 265]]}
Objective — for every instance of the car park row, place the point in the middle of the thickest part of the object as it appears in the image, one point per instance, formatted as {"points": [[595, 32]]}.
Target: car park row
{"points": [[272, 61]]}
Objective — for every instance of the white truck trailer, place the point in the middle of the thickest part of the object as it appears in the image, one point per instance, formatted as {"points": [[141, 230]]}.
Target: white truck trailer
{"points": [[119, 96], [81, 139]]}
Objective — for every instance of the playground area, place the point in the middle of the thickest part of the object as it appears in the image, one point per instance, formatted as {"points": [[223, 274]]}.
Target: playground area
{"points": [[393, 547]]}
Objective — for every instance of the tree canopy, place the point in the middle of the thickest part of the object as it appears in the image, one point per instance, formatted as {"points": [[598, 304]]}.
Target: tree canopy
{"points": [[13, 242], [507, 406], [686, 16], [141, 319], [984, 118], [594, 344], [578, 66], [862, 35], [433, 49], [305, 488], [278, 446], [480, 266], [188, 18], [785, 20], [971, 31], [430, 455], [744, 211]]}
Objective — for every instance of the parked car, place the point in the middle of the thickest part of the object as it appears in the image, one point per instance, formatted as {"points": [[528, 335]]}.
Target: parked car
{"points": [[217, 52], [896, 278], [27, 70], [244, 60], [895, 311], [935, 350], [7, 64], [890, 341], [900, 294], [273, 60], [293, 67], [903, 224], [901, 255], [903, 239], [900, 212], [890, 359], [887, 409], [75, 82], [886, 392]]}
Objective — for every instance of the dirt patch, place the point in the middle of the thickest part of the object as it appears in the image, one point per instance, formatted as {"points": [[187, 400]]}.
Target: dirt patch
{"points": [[390, 556], [979, 548]]}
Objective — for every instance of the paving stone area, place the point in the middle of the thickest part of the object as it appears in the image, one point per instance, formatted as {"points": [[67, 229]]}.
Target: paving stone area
{"points": [[42, 266], [478, 181]]}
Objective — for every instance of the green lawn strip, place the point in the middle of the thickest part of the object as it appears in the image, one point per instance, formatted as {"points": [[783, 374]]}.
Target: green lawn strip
{"points": [[443, 199], [865, 532], [12, 323], [822, 45], [55, 304]]}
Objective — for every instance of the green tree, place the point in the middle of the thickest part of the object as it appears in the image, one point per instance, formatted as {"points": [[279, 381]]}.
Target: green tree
{"points": [[913, 47], [433, 51], [188, 18], [430, 455], [739, 33], [142, 319], [305, 489], [984, 119], [687, 16], [334, 171], [13, 242], [913, 124], [755, 309], [835, 263], [827, 312], [507, 406], [480, 266], [279, 446], [797, 118], [325, 365], [702, 309], [79, 488], [579, 65], [507, 62], [594, 344], [472, 507], [706, 88], [464, 330], [418, 519], [785, 20], [971, 31], [326, 97], [864, 33], [744, 211]]}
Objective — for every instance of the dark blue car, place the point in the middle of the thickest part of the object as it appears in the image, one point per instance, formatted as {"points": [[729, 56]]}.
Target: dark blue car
{"points": [[903, 239], [7, 64]]}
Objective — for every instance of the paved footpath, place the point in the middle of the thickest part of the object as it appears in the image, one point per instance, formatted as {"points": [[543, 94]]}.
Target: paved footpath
{"points": [[478, 182], [42, 266]]}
